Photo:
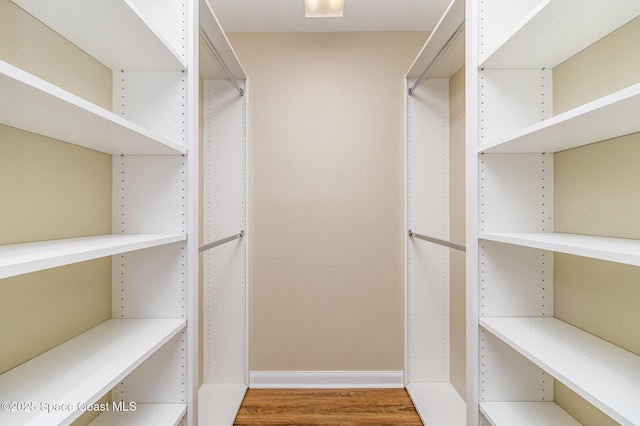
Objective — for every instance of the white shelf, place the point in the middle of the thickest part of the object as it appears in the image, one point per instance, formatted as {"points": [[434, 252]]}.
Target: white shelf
{"points": [[555, 30], [617, 250], [604, 374], [605, 118], [18, 259], [218, 404], [438, 403], [526, 414], [210, 68], [82, 369], [453, 58], [112, 31], [34, 105], [143, 415]]}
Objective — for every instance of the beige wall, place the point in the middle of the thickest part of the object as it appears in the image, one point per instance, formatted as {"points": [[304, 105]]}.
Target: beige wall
{"points": [[50, 189], [457, 233], [326, 198], [596, 192]]}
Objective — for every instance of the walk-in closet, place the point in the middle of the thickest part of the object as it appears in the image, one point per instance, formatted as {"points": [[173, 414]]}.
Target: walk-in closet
{"points": [[204, 198]]}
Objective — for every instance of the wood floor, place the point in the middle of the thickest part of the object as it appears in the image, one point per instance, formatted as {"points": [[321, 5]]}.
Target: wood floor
{"points": [[327, 407]]}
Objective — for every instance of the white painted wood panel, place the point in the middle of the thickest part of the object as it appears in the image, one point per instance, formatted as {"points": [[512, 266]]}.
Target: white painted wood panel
{"points": [[438, 404], [155, 100], [17, 259], [115, 32], [210, 68], [516, 192], [149, 194], [224, 267], [618, 250], [512, 99], [515, 281], [428, 214], [526, 414], [442, 63], [555, 30], [506, 375], [32, 104], [144, 415], [602, 373], [580, 126], [82, 369], [219, 403]]}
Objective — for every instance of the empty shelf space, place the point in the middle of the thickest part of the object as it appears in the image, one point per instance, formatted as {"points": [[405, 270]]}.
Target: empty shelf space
{"points": [[218, 404], [83, 369], [617, 250], [18, 259], [604, 374], [131, 44], [142, 415], [526, 414], [32, 104], [605, 118], [555, 30], [438, 403]]}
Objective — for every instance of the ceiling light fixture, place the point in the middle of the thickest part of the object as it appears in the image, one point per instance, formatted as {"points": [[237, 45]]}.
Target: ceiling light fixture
{"points": [[323, 8]]}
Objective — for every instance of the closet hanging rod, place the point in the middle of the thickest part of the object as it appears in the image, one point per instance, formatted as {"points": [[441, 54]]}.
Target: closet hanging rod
{"points": [[436, 58], [220, 242], [438, 241], [216, 54]]}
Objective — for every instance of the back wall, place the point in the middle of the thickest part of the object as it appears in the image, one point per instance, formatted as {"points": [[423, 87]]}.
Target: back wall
{"points": [[326, 198]]}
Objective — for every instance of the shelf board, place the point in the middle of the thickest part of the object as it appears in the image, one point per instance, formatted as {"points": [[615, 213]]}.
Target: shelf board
{"points": [[210, 68], [605, 118], [438, 403], [604, 374], [23, 258], [144, 415], [526, 414], [32, 104], [617, 250], [83, 369], [555, 30], [218, 404], [451, 60], [112, 31]]}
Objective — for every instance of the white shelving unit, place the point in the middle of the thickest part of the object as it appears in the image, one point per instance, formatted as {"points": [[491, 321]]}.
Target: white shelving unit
{"points": [[18, 259], [526, 414], [611, 249], [602, 373], [123, 34], [83, 369], [147, 354], [577, 127], [552, 31], [224, 211], [144, 415], [40, 107], [516, 347], [427, 352]]}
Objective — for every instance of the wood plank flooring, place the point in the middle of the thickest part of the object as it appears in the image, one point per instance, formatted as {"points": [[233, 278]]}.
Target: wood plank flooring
{"points": [[327, 407]]}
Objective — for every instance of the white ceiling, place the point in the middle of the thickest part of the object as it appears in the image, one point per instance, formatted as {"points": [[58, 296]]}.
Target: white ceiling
{"points": [[359, 15]]}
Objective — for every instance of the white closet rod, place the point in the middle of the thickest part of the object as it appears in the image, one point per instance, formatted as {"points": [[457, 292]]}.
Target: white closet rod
{"points": [[220, 242], [438, 241], [436, 58], [216, 54]]}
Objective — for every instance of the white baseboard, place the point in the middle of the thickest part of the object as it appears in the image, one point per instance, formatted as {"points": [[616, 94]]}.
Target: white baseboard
{"points": [[326, 379]]}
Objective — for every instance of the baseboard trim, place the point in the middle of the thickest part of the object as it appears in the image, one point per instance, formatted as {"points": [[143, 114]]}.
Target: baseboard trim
{"points": [[326, 379]]}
